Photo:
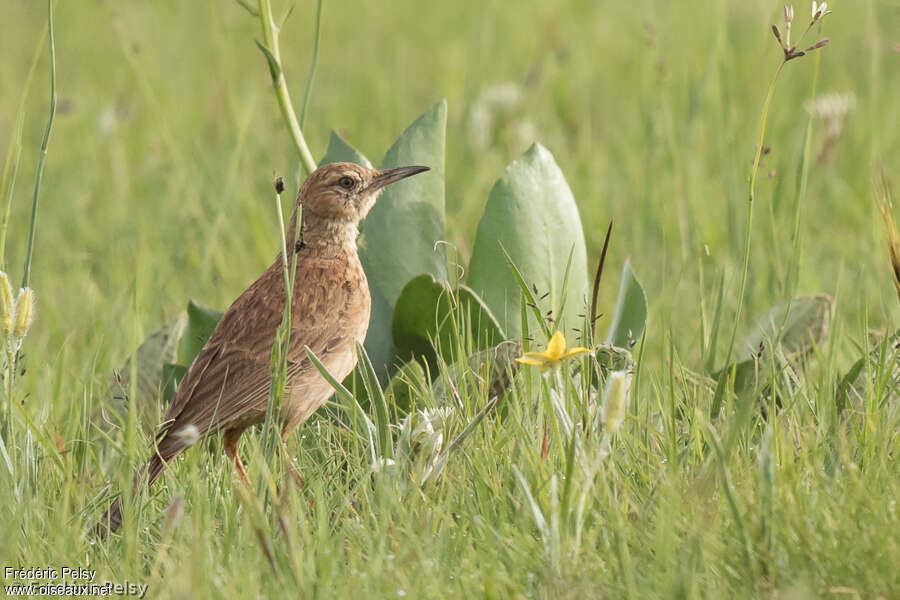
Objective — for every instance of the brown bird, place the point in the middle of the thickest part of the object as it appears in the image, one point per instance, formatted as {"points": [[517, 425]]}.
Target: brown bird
{"points": [[226, 388]]}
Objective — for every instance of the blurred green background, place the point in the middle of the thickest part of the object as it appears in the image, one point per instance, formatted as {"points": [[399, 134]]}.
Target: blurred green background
{"points": [[158, 181]]}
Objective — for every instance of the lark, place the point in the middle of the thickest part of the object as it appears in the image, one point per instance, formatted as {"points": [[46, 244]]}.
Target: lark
{"points": [[226, 388]]}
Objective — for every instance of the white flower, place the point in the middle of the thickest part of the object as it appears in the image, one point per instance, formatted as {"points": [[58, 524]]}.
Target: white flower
{"points": [[819, 11], [189, 435], [832, 108]]}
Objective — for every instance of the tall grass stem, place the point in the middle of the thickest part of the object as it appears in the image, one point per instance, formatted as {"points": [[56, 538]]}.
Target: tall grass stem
{"points": [[43, 154], [313, 64], [271, 49], [748, 238]]}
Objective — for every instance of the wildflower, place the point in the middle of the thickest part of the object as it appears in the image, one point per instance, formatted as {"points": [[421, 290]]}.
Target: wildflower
{"points": [[819, 11], [832, 108], [555, 353], [24, 313], [615, 400], [422, 439], [790, 51]]}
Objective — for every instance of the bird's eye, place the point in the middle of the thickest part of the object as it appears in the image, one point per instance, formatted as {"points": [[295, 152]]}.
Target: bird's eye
{"points": [[346, 182]]}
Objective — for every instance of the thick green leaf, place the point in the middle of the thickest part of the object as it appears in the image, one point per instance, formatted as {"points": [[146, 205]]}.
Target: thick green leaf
{"points": [[794, 328], [797, 326], [200, 324], [172, 374], [881, 368], [151, 357], [401, 234], [532, 214], [492, 369], [379, 343], [630, 316], [400, 237], [340, 151], [428, 313]]}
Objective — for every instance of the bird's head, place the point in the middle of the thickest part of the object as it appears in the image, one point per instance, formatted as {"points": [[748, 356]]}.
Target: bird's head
{"points": [[345, 192]]}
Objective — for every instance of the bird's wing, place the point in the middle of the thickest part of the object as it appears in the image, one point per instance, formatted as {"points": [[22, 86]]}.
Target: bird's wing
{"points": [[229, 378], [229, 385]]}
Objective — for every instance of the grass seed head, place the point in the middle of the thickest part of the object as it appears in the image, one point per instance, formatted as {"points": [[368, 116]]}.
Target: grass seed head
{"points": [[615, 400], [24, 313]]}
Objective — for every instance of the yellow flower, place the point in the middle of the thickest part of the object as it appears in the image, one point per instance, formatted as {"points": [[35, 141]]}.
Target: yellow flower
{"points": [[553, 355]]}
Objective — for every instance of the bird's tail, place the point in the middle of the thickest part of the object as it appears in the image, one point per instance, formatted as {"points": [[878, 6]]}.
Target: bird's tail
{"points": [[112, 519]]}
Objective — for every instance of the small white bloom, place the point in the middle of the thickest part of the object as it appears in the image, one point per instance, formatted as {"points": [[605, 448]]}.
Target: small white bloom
{"points": [[819, 11], [189, 435], [832, 108]]}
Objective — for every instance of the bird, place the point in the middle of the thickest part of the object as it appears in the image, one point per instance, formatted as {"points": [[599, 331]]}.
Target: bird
{"points": [[226, 387]]}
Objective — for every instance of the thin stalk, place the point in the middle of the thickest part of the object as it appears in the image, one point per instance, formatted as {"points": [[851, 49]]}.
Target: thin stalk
{"points": [[313, 65], [10, 375], [717, 402], [596, 290], [270, 48], [281, 345], [44, 142]]}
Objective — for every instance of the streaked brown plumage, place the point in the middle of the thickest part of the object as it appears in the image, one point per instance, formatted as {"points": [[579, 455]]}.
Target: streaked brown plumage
{"points": [[226, 388]]}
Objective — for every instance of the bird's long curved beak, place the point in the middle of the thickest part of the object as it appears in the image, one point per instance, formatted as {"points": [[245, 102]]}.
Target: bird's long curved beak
{"points": [[389, 176]]}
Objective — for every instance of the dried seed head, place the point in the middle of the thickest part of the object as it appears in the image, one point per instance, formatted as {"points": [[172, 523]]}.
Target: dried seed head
{"points": [[7, 305], [820, 44], [24, 313], [777, 33], [788, 13], [279, 185]]}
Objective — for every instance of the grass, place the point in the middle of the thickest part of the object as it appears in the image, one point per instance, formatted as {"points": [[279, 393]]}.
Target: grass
{"points": [[157, 188]]}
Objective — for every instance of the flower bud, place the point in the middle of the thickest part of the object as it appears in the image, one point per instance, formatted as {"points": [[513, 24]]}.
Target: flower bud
{"points": [[24, 313], [7, 305], [615, 399]]}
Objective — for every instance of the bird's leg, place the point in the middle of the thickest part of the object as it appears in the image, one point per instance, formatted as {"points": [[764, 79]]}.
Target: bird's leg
{"points": [[230, 440]]}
